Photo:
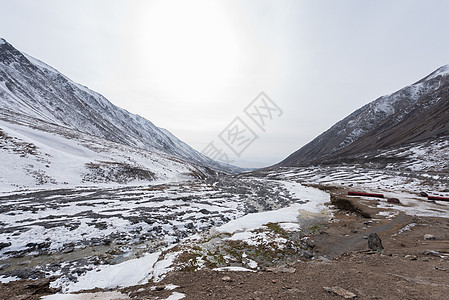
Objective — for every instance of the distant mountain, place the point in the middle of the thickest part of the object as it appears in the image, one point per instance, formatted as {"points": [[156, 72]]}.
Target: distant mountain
{"points": [[414, 115], [32, 88]]}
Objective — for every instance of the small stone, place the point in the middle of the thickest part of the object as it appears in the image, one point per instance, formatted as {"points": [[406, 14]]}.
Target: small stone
{"points": [[227, 279], [311, 243], [423, 194], [411, 257], [68, 249], [159, 288], [308, 254], [340, 292], [287, 270], [429, 237], [431, 253], [324, 259], [393, 200], [440, 269], [280, 270]]}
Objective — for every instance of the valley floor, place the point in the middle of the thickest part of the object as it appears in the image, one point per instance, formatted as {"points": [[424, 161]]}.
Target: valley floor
{"points": [[287, 240], [409, 268]]}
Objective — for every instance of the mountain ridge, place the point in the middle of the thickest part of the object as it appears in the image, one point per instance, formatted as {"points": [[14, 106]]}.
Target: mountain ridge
{"points": [[31, 87], [377, 124]]}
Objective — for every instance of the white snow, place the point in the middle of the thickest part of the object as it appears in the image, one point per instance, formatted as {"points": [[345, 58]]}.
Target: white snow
{"points": [[252, 264], [290, 226], [163, 266], [176, 296], [315, 204], [128, 273], [4, 279], [88, 296], [62, 161], [171, 286], [239, 269], [256, 220]]}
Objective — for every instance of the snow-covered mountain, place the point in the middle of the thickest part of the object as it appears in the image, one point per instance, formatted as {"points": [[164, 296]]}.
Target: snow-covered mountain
{"points": [[32, 88], [38, 154], [417, 113]]}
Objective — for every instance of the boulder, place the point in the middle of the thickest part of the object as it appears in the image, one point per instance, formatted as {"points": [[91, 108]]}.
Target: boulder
{"points": [[4, 245], [374, 242]]}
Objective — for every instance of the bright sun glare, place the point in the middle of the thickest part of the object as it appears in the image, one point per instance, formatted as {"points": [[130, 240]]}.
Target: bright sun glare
{"points": [[191, 51]]}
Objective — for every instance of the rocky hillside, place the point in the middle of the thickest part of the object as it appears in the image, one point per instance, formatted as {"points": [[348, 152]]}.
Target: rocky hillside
{"points": [[414, 114]]}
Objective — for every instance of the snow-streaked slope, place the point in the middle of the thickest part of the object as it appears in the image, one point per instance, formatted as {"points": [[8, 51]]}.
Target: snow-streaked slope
{"points": [[31, 87], [36, 154], [387, 112]]}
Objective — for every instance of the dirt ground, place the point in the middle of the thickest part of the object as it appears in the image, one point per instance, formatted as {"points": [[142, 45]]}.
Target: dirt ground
{"points": [[410, 266]]}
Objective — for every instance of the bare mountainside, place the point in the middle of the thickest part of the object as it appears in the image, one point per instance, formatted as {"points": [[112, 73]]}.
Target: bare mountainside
{"points": [[32, 88], [418, 113]]}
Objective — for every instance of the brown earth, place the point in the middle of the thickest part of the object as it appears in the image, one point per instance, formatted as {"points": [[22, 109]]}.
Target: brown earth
{"points": [[410, 267]]}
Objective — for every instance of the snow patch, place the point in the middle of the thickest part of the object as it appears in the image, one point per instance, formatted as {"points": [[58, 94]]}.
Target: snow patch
{"points": [[313, 201], [256, 220], [176, 296], [88, 296], [128, 273], [4, 279], [239, 269]]}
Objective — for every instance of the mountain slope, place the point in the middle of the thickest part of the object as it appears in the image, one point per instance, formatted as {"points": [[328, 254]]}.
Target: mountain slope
{"points": [[413, 114], [38, 154], [30, 87]]}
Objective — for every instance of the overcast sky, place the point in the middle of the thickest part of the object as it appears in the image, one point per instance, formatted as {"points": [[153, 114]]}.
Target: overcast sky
{"points": [[193, 66]]}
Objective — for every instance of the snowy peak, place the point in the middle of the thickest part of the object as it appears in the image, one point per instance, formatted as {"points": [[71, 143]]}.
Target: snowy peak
{"points": [[441, 71], [412, 114], [9, 55]]}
